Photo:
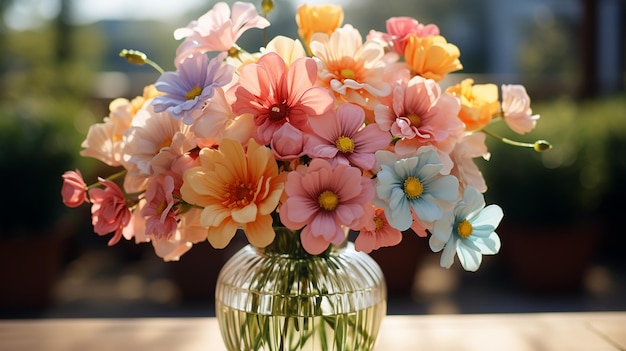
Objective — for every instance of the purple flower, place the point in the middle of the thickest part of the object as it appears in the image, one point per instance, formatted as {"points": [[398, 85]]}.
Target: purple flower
{"points": [[187, 89]]}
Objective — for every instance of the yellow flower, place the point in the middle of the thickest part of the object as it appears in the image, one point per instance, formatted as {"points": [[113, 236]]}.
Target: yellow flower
{"points": [[236, 189], [479, 102], [318, 19], [432, 57]]}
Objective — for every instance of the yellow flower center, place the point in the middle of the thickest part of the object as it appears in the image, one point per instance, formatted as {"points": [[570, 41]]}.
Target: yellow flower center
{"points": [[464, 229], [347, 73], [162, 206], [345, 144], [165, 143], [413, 188], [328, 200], [195, 91], [379, 223], [239, 194], [415, 119]]}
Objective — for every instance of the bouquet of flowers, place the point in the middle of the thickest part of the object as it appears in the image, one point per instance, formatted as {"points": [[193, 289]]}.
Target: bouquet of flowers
{"points": [[328, 132]]}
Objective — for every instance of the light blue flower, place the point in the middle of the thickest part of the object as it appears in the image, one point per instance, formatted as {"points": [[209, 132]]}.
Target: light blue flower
{"points": [[414, 183], [187, 89], [469, 231]]}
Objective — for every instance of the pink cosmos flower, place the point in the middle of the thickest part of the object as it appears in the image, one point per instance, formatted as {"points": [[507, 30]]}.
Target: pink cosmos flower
{"points": [[419, 114], [400, 28], [516, 109], [218, 29], [275, 95], [109, 212], [74, 190], [377, 232], [465, 169], [341, 138], [324, 200]]}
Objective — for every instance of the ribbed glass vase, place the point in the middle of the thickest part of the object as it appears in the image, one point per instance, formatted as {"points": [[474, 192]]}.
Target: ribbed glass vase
{"points": [[282, 298]]}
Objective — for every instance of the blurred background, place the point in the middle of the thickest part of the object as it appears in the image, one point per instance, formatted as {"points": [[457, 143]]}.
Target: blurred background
{"points": [[563, 231]]}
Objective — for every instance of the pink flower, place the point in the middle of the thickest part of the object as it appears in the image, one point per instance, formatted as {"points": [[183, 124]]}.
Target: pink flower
{"points": [[288, 143], [377, 232], [109, 212], [275, 95], [516, 109], [324, 200], [159, 211], [74, 190], [218, 29], [465, 169], [400, 28], [420, 115], [341, 138]]}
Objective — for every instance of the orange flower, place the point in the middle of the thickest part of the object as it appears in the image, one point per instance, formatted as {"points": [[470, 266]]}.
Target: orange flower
{"points": [[432, 57], [479, 102], [236, 189], [318, 19]]}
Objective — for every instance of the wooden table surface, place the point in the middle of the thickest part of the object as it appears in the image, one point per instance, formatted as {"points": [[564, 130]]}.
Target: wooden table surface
{"points": [[510, 332]]}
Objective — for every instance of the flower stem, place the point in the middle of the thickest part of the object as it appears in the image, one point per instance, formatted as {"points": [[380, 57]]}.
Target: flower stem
{"points": [[111, 177], [539, 145]]}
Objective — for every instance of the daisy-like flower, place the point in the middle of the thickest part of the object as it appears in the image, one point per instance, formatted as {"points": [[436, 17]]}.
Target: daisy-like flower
{"points": [[218, 29], [187, 89], [353, 70], [432, 56], [235, 188], [413, 184], [341, 138], [377, 232], [151, 134], [479, 103], [323, 200], [275, 95], [419, 115], [469, 232], [109, 212], [516, 109]]}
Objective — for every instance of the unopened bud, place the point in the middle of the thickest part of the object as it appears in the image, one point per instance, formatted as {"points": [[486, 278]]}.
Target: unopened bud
{"points": [[267, 6], [135, 57], [542, 145]]}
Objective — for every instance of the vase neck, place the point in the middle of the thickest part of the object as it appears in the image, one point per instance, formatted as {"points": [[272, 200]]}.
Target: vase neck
{"points": [[287, 243]]}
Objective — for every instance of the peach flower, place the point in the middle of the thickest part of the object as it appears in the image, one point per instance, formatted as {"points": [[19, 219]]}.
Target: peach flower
{"points": [[109, 212], [479, 103], [74, 190], [318, 19], [432, 57], [235, 188]]}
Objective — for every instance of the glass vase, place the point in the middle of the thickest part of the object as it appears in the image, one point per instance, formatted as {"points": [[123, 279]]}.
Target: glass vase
{"points": [[282, 298]]}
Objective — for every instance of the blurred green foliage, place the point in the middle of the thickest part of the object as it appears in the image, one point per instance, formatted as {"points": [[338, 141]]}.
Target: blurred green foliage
{"points": [[580, 179]]}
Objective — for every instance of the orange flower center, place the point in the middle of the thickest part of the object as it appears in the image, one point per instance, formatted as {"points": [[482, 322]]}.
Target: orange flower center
{"points": [[239, 194], [379, 223], [415, 119], [165, 143], [328, 200], [464, 229], [278, 112]]}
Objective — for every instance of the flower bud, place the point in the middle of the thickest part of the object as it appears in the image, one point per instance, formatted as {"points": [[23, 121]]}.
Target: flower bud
{"points": [[542, 145], [135, 57], [267, 6]]}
